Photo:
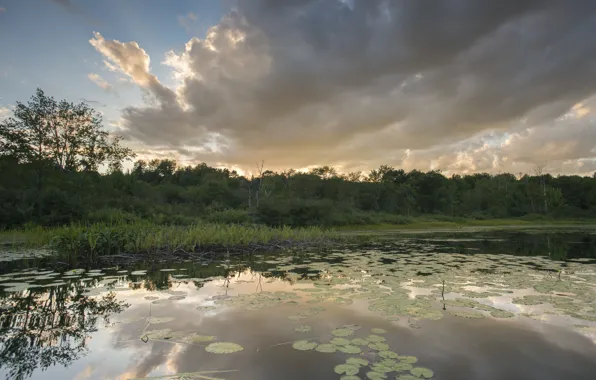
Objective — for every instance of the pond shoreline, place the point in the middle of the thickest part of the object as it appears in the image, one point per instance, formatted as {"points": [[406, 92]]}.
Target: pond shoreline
{"points": [[469, 226], [214, 252], [76, 243]]}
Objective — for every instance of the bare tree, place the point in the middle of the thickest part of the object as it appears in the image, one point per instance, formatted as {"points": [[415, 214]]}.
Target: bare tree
{"points": [[539, 171], [261, 186]]}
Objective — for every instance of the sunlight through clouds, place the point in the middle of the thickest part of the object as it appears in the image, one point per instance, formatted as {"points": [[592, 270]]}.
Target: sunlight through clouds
{"points": [[314, 82]]}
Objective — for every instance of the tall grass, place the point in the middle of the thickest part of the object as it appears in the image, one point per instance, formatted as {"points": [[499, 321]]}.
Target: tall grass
{"points": [[139, 237]]}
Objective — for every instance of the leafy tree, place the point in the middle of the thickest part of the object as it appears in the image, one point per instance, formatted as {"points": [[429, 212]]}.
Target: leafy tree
{"points": [[68, 135]]}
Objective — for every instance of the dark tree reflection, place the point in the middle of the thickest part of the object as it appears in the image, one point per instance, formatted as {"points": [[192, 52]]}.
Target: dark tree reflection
{"points": [[42, 328]]}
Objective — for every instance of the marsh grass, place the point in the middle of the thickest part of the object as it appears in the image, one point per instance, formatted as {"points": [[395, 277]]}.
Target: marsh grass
{"points": [[113, 239], [455, 223]]}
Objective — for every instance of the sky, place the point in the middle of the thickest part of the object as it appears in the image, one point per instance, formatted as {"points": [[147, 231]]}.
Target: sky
{"points": [[460, 86]]}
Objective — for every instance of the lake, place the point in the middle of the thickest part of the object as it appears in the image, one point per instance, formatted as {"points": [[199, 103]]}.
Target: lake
{"points": [[482, 306]]}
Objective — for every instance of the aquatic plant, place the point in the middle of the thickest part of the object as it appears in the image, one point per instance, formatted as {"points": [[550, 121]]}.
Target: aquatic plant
{"points": [[102, 239], [304, 345], [346, 369], [223, 348], [422, 373], [326, 348]]}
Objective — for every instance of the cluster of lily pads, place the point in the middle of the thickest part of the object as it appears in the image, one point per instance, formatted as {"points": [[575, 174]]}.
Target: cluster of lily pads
{"points": [[186, 337], [373, 345]]}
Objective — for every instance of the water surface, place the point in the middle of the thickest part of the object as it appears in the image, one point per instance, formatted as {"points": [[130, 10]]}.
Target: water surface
{"points": [[452, 306]]}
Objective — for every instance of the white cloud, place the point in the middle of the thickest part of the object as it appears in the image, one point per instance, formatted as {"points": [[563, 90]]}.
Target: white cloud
{"points": [[188, 22], [5, 112], [98, 80]]}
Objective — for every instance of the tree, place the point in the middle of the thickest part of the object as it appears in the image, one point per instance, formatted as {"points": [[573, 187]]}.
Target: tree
{"points": [[67, 135], [539, 172]]}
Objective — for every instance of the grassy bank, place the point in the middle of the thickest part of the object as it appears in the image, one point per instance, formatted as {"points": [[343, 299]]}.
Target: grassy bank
{"points": [[460, 223], [114, 239]]}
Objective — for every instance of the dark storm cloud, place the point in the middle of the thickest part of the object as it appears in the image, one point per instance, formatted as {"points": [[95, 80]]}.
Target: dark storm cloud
{"points": [[300, 83]]}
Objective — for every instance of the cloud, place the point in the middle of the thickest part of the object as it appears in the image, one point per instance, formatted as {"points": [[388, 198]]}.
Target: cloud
{"points": [[98, 80], [130, 59], [5, 113], [93, 102], [73, 8], [188, 22], [458, 85]]}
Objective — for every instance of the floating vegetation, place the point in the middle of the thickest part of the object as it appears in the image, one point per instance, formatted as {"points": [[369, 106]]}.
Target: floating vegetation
{"points": [[502, 314], [375, 338], [346, 369], [357, 361], [422, 373], [223, 348], [197, 339], [303, 328], [304, 345], [190, 375], [340, 341], [360, 342], [326, 348], [467, 314], [155, 320], [417, 287], [342, 332], [388, 354], [158, 334], [296, 317]]}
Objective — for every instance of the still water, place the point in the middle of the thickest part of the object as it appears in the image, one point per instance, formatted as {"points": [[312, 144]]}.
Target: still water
{"points": [[504, 305]]}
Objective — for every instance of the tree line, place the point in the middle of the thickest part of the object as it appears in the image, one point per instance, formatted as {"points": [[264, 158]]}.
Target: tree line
{"points": [[58, 165]]}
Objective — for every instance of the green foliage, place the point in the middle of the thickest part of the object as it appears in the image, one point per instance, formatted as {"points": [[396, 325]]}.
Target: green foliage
{"points": [[51, 152], [63, 134], [112, 239]]}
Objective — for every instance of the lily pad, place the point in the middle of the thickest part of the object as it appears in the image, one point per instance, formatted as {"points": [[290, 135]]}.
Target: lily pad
{"points": [[360, 342], [326, 348], [467, 314], [339, 341], [223, 348], [422, 373], [357, 361], [303, 328], [501, 314], [155, 320], [342, 332], [408, 359], [304, 345], [388, 354], [375, 338], [346, 369], [379, 346], [378, 331]]}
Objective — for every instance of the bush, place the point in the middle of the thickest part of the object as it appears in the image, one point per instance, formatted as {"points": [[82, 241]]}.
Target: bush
{"points": [[229, 216], [111, 215], [295, 212]]}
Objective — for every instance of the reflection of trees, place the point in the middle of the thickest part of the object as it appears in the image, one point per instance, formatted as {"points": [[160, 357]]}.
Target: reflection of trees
{"points": [[39, 329], [557, 246], [157, 280]]}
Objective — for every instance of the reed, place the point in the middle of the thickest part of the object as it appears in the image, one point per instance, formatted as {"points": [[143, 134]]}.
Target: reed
{"points": [[144, 237]]}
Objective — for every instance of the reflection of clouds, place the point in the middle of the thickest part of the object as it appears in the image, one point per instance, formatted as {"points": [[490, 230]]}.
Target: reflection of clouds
{"points": [[85, 374]]}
